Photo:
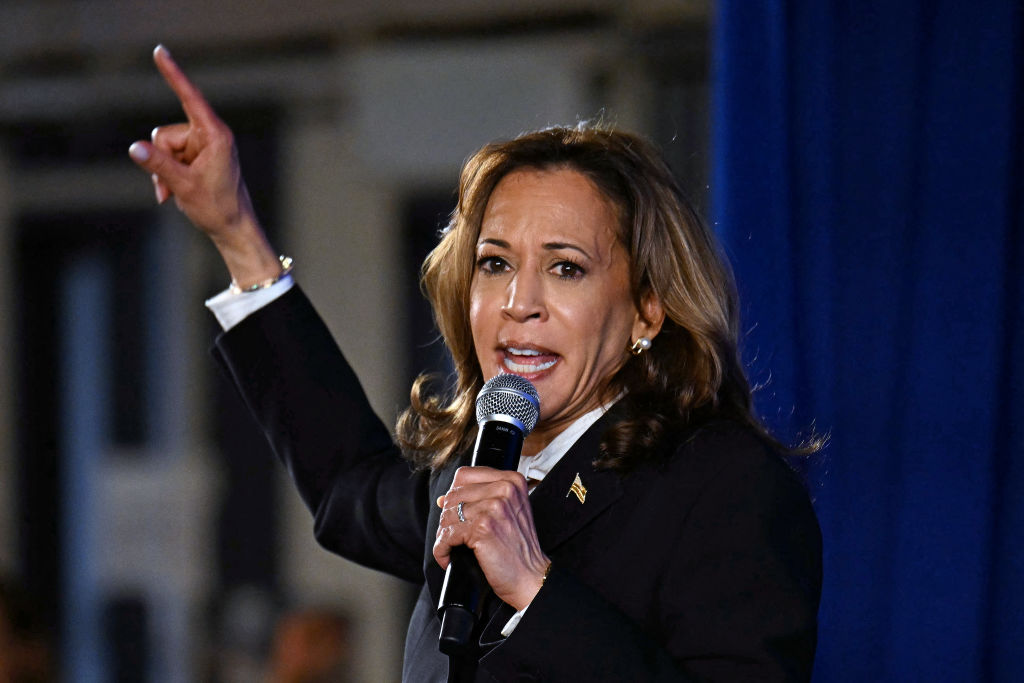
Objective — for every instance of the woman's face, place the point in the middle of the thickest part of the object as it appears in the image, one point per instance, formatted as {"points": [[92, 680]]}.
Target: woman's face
{"points": [[550, 298]]}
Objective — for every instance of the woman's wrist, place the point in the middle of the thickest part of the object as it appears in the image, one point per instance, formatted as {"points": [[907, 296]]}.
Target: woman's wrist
{"points": [[248, 255], [286, 267], [541, 577]]}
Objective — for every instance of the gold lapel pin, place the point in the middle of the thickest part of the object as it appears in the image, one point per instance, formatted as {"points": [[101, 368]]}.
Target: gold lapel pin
{"points": [[578, 488]]}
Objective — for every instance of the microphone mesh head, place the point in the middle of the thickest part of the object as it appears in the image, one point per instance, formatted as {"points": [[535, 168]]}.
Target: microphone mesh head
{"points": [[509, 396]]}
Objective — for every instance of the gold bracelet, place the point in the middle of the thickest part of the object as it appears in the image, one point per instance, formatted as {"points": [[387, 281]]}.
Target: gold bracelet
{"points": [[287, 263]]}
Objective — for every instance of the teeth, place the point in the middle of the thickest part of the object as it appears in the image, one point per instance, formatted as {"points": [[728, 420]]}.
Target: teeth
{"points": [[523, 352], [524, 369]]}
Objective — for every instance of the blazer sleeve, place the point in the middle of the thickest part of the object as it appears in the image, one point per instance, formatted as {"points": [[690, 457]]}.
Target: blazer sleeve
{"points": [[737, 598], [367, 504]]}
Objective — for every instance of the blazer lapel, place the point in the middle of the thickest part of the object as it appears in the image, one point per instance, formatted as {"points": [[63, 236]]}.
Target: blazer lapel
{"points": [[574, 493]]}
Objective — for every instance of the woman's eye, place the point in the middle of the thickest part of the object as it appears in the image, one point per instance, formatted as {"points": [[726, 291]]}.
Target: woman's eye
{"points": [[567, 270], [492, 264]]}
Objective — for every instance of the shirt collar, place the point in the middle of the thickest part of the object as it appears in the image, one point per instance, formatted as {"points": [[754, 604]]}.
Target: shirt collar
{"points": [[537, 466]]}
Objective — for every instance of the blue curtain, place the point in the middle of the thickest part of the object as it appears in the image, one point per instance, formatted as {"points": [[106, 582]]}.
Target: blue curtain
{"points": [[868, 184]]}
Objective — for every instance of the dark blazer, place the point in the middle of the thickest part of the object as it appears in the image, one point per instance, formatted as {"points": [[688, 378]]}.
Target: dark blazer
{"points": [[706, 566]]}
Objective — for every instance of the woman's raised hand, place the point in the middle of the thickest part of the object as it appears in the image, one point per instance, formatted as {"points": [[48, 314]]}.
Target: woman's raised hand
{"points": [[196, 163]]}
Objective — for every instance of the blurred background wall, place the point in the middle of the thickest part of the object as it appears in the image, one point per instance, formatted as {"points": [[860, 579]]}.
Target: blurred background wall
{"points": [[152, 527]]}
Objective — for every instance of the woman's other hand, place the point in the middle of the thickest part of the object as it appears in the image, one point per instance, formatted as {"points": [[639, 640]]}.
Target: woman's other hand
{"points": [[498, 528], [196, 163]]}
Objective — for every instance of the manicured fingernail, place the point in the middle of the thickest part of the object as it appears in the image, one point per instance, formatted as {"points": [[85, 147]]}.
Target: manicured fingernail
{"points": [[160, 48], [138, 152], [440, 501], [152, 135]]}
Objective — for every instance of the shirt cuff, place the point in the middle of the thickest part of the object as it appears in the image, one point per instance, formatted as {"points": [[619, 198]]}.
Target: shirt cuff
{"points": [[230, 308], [511, 624]]}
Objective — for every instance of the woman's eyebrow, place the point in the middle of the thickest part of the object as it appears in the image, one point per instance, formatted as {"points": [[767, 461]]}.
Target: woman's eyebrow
{"points": [[548, 246], [554, 246]]}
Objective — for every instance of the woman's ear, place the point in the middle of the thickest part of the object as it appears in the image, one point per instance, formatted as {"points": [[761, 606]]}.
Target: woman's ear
{"points": [[649, 318]]}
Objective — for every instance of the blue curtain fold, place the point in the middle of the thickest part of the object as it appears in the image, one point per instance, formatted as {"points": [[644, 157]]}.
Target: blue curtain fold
{"points": [[868, 185]]}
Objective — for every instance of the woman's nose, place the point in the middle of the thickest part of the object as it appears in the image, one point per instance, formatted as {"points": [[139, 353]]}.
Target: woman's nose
{"points": [[525, 298]]}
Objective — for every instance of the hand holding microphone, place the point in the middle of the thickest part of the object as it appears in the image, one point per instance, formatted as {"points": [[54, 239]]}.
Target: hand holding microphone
{"points": [[497, 543]]}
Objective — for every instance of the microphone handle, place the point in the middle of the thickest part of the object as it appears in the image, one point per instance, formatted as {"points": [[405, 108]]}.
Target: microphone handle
{"points": [[498, 445]]}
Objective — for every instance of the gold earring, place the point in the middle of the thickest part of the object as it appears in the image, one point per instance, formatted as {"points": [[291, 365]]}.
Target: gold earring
{"points": [[640, 345]]}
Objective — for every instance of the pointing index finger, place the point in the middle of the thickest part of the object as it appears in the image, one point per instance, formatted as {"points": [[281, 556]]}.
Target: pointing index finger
{"points": [[192, 101]]}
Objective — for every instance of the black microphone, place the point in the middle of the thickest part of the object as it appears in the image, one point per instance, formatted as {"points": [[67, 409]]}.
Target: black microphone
{"points": [[507, 409]]}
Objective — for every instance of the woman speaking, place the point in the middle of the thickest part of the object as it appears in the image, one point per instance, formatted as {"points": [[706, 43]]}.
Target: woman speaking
{"points": [[652, 531]]}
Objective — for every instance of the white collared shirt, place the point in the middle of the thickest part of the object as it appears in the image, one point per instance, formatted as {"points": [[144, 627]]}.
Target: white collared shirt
{"points": [[537, 466]]}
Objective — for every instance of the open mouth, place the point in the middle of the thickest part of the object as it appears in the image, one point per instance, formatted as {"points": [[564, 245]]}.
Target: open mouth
{"points": [[526, 361]]}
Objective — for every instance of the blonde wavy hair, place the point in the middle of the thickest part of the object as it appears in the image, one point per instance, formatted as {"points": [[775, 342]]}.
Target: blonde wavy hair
{"points": [[692, 372]]}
